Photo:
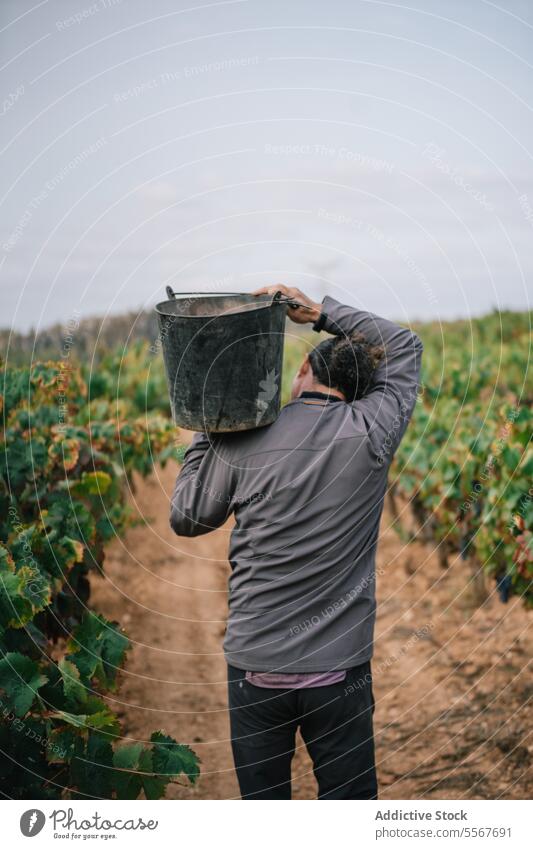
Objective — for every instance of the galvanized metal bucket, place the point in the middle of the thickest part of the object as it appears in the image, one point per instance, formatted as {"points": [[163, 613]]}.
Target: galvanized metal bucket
{"points": [[223, 358]]}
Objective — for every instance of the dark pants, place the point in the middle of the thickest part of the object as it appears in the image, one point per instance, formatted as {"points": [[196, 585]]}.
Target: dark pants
{"points": [[335, 722]]}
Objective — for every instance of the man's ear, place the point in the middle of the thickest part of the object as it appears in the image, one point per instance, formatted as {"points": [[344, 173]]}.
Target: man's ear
{"points": [[305, 366]]}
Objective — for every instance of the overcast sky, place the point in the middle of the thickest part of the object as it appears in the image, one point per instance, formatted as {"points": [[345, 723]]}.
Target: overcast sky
{"points": [[380, 153]]}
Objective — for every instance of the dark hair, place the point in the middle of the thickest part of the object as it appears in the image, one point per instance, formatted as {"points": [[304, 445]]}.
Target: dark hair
{"points": [[345, 363]]}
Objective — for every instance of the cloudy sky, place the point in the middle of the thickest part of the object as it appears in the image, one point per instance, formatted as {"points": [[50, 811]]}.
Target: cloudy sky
{"points": [[379, 152]]}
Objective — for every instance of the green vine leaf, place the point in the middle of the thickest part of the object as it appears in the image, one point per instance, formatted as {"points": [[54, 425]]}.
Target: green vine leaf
{"points": [[20, 679]]}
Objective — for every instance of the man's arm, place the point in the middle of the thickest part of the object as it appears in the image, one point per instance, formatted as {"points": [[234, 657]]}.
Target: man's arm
{"points": [[203, 494], [388, 406]]}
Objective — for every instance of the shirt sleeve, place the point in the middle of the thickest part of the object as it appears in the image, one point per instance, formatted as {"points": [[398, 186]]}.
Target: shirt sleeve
{"points": [[203, 495], [388, 405]]}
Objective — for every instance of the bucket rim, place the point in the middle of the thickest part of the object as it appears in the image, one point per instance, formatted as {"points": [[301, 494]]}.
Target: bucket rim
{"points": [[264, 301]]}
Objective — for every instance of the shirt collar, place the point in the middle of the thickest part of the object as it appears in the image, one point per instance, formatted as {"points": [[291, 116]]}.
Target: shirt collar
{"points": [[323, 396]]}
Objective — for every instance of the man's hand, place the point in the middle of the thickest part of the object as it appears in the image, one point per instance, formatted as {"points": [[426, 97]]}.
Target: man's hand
{"points": [[309, 311]]}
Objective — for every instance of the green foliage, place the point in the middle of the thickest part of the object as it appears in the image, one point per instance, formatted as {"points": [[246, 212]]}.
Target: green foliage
{"points": [[134, 373], [466, 461], [20, 679], [63, 476], [98, 650], [150, 769]]}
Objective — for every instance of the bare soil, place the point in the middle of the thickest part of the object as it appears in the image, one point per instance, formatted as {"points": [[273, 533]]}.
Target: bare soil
{"points": [[451, 682]]}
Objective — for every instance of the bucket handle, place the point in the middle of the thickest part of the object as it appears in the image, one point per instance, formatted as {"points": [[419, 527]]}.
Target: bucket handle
{"points": [[277, 297], [171, 295], [280, 298]]}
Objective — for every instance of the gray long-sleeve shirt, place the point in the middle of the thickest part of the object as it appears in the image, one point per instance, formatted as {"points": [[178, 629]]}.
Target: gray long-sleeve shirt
{"points": [[307, 493]]}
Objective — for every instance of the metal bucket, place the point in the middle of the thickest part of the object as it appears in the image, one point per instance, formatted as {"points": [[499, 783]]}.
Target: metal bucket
{"points": [[223, 359]]}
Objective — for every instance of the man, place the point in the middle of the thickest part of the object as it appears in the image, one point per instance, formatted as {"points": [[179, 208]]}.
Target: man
{"points": [[307, 493]]}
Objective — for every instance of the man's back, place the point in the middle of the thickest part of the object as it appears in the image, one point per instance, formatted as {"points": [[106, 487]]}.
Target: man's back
{"points": [[307, 508]]}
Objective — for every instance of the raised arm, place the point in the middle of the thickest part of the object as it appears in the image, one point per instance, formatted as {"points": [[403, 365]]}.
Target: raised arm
{"points": [[203, 494], [388, 406]]}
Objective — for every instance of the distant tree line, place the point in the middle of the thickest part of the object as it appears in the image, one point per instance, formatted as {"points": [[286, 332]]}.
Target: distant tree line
{"points": [[80, 339]]}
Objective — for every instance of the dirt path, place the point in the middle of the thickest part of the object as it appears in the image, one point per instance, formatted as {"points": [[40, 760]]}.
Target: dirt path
{"points": [[452, 690]]}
